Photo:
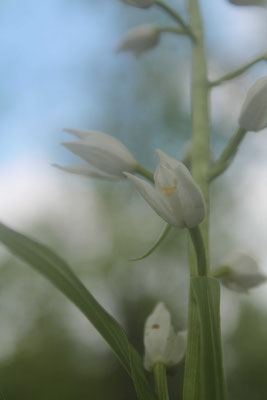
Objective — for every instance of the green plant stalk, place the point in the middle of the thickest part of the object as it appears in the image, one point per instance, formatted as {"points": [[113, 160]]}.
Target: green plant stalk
{"points": [[201, 364], [146, 173], [198, 244], [171, 29], [227, 155], [161, 385], [174, 14], [238, 71]]}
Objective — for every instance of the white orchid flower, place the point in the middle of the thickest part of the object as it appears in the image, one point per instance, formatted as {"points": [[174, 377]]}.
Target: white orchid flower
{"points": [[140, 39], [175, 196], [106, 156], [160, 340], [253, 116], [243, 274], [140, 3]]}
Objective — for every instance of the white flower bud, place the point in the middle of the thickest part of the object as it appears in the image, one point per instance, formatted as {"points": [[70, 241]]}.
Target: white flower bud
{"points": [[243, 273], [175, 197], [140, 3], [249, 2], [106, 156], [161, 342], [253, 115], [140, 39]]}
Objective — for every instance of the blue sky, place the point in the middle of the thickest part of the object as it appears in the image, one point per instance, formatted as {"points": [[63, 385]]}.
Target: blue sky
{"points": [[57, 56]]}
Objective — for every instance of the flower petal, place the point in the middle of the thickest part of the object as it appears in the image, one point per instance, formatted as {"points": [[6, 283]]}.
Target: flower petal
{"points": [[176, 349], [86, 170], [108, 145], [157, 330], [154, 198], [102, 158], [190, 196], [186, 201]]}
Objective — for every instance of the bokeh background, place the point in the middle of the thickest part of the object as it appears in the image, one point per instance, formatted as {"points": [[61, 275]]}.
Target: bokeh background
{"points": [[59, 68]]}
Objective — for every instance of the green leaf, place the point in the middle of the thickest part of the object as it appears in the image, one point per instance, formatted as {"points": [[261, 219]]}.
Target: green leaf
{"points": [[161, 237], [46, 262], [191, 390], [206, 293]]}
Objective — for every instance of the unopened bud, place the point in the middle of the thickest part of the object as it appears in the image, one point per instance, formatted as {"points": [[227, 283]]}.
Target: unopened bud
{"points": [[243, 273], [140, 39], [253, 115], [140, 3]]}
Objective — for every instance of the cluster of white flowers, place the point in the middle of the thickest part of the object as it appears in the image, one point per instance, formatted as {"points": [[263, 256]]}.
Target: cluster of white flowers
{"points": [[175, 196]]}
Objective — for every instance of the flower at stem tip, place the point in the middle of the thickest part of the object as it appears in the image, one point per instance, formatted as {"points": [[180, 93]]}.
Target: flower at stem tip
{"points": [[175, 196], [106, 156], [140, 39], [160, 340], [253, 116]]}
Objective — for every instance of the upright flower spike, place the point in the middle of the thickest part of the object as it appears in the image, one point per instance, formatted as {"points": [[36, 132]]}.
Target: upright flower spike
{"points": [[160, 340], [106, 156], [243, 274], [140, 39], [140, 3], [253, 115], [249, 2], [175, 197]]}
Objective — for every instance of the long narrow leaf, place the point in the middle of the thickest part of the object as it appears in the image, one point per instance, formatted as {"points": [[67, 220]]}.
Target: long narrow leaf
{"points": [[207, 296], [61, 276], [192, 382]]}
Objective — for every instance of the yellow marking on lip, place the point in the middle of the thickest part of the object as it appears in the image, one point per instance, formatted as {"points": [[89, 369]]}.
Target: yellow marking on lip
{"points": [[169, 191]]}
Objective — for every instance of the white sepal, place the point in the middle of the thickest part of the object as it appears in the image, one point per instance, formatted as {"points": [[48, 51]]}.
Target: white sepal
{"points": [[106, 156], [175, 196], [160, 340], [253, 116], [244, 273], [140, 39], [140, 3]]}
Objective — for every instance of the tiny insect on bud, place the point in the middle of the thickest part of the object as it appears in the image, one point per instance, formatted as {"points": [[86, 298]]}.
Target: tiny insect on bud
{"points": [[253, 116]]}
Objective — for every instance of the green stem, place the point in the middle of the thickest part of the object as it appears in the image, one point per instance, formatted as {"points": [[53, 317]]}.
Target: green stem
{"points": [[238, 71], [159, 371], [174, 14], [144, 172], [200, 115], [171, 29], [204, 379], [221, 271], [228, 154], [197, 240]]}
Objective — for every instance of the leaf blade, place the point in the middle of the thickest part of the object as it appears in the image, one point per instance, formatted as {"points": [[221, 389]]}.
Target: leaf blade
{"points": [[57, 271]]}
